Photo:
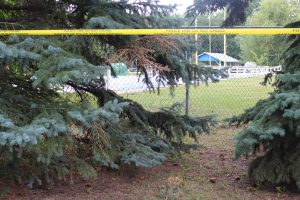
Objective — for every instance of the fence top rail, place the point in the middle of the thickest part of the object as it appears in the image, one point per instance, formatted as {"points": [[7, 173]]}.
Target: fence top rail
{"points": [[182, 31], [257, 67]]}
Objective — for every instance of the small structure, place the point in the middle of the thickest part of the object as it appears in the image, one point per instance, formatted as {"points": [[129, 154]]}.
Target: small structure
{"points": [[120, 69], [217, 60]]}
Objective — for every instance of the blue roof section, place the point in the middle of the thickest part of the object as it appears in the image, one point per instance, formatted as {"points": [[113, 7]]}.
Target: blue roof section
{"points": [[216, 57], [207, 58]]}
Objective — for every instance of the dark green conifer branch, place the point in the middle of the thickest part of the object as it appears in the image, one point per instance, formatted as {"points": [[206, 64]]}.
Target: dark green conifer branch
{"points": [[44, 135]]}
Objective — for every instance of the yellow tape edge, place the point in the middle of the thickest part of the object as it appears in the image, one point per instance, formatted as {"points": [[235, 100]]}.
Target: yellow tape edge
{"points": [[239, 31]]}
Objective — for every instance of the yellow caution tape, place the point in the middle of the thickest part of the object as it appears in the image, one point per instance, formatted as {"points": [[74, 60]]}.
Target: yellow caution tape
{"points": [[233, 31]]}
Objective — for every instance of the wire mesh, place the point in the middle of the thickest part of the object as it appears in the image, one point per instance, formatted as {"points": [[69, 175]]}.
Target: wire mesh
{"points": [[229, 97]]}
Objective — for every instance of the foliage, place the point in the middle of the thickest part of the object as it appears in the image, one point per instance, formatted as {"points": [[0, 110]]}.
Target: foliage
{"points": [[44, 135], [267, 50], [275, 128], [236, 13], [274, 123]]}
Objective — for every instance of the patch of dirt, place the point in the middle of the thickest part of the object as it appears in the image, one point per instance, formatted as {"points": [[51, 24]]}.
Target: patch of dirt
{"points": [[207, 173], [213, 173]]}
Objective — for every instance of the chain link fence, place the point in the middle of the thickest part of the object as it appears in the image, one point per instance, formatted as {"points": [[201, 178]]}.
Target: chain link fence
{"points": [[229, 97]]}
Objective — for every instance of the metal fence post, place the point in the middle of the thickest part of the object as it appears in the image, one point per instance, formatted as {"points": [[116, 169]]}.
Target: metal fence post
{"points": [[187, 97]]}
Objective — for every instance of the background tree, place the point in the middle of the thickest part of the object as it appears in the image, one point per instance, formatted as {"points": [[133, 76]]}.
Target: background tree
{"points": [[236, 13], [267, 50]]}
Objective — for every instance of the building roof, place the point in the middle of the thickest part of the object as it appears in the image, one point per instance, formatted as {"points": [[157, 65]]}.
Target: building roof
{"points": [[216, 57]]}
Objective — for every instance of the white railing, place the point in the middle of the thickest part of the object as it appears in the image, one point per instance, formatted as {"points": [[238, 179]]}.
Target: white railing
{"points": [[243, 72]]}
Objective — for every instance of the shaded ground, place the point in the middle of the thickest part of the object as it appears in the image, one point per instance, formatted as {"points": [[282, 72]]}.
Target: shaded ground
{"points": [[207, 173]]}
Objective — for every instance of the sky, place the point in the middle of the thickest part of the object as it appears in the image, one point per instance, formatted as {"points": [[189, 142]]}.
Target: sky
{"points": [[182, 4]]}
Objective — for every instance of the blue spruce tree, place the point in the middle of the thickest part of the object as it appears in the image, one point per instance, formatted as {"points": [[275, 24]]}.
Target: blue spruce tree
{"points": [[273, 124], [45, 134], [274, 127]]}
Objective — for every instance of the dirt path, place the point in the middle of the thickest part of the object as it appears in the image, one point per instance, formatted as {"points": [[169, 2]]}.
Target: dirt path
{"points": [[207, 173]]}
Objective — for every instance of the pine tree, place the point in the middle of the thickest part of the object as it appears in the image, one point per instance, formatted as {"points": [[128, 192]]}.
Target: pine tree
{"points": [[273, 124], [46, 134]]}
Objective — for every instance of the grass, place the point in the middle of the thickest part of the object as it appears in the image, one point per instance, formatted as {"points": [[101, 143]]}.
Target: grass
{"points": [[226, 98]]}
